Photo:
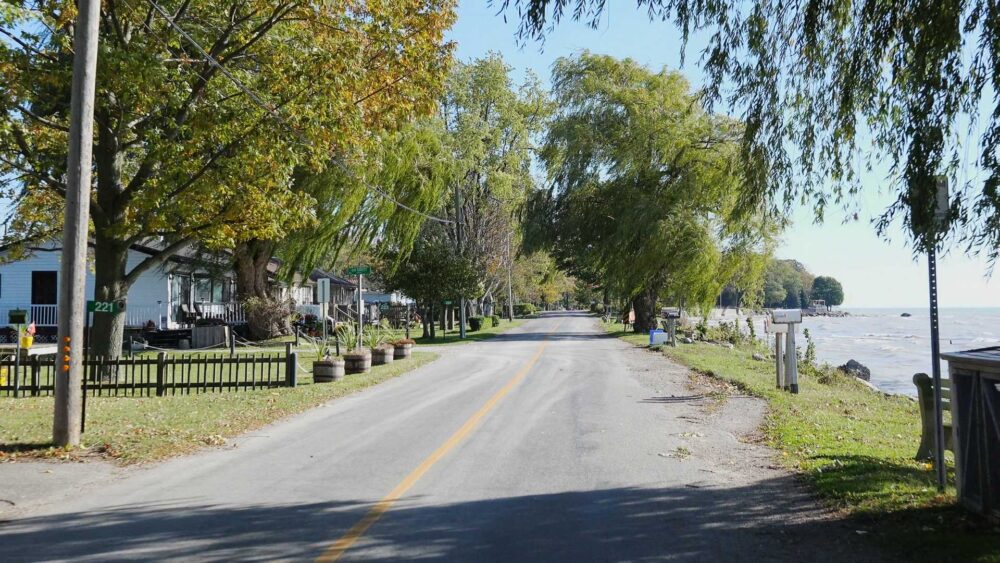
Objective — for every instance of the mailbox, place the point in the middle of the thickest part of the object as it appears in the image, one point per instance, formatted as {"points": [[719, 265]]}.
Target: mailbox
{"points": [[670, 313], [17, 317], [786, 316]]}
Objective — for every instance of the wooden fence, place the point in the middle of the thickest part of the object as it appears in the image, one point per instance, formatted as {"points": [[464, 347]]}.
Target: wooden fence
{"points": [[160, 375]]}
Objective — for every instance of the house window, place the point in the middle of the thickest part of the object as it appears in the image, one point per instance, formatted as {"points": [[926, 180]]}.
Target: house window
{"points": [[44, 288], [207, 290]]}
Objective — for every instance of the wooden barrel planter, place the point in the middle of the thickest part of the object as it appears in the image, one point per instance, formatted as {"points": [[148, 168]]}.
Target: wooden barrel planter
{"points": [[403, 351], [383, 355], [326, 371], [357, 362]]}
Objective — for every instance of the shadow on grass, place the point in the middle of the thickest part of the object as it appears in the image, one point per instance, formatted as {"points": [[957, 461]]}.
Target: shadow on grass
{"points": [[24, 447], [936, 530]]}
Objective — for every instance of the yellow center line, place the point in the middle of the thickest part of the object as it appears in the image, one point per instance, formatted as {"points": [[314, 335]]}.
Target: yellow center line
{"points": [[339, 547]]}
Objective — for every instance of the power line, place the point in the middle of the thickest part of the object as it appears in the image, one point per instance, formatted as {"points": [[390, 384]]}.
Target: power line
{"points": [[274, 112]]}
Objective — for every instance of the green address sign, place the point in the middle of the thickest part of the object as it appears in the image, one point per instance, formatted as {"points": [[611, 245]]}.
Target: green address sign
{"points": [[359, 270], [106, 306]]}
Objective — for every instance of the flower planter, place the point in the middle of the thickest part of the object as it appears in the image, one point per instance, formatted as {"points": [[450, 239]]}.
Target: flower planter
{"points": [[382, 356], [403, 351], [326, 371], [357, 362]]}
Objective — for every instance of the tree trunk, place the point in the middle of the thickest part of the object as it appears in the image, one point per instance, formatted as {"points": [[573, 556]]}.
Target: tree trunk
{"points": [[423, 312], [250, 260], [644, 305], [110, 262]]}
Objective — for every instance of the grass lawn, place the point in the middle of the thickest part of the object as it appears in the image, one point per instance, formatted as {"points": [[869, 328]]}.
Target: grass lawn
{"points": [[482, 334], [134, 430], [855, 448]]}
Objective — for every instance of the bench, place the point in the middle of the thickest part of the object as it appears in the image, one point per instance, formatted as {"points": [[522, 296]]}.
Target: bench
{"points": [[925, 400]]}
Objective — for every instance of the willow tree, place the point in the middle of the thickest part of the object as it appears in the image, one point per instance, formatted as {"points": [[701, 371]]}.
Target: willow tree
{"points": [[197, 135], [372, 202], [646, 187], [491, 128], [830, 90]]}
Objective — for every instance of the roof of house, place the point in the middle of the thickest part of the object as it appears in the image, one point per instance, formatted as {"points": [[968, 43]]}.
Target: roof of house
{"points": [[318, 274]]}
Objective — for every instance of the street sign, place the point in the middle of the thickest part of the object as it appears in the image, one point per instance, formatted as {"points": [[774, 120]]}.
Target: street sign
{"points": [[323, 290], [17, 317], [106, 306], [359, 270], [448, 302]]}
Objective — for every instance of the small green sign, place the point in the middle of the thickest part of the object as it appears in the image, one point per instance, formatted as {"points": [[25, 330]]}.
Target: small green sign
{"points": [[359, 270], [448, 302], [106, 306], [17, 317]]}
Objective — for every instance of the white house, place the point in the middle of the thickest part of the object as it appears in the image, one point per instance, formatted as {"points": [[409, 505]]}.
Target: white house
{"points": [[186, 287]]}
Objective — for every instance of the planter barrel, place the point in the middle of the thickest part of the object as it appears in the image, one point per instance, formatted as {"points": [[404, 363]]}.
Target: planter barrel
{"points": [[382, 356], [403, 351], [326, 371], [357, 363]]}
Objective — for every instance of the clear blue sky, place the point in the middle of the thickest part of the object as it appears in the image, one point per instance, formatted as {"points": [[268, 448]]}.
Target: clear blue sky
{"points": [[874, 272]]}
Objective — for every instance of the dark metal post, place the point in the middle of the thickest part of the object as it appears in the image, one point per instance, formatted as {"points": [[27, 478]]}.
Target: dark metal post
{"points": [[232, 341], [291, 363], [17, 359], [161, 359], [936, 370]]}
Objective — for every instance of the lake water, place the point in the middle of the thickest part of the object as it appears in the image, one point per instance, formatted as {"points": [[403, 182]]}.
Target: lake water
{"points": [[892, 346]]}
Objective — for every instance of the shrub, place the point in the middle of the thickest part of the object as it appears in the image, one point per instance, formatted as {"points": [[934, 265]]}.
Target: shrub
{"points": [[524, 309], [495, 320], [475, 323]]}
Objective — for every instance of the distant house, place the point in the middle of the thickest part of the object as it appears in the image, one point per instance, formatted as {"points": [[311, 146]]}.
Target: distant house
{"points": [[188, 286]]}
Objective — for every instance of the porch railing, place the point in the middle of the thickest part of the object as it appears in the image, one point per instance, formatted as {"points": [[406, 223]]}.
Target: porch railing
{"points": [[48, 315]]}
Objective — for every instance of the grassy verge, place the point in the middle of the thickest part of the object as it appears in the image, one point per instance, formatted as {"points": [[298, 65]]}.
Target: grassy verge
{"points": [[855, 448], [484, 333], [134, 430]]}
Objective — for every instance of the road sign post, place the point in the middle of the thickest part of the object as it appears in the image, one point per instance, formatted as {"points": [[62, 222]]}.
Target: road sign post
{"points": [[360, 271], [935, 229]]}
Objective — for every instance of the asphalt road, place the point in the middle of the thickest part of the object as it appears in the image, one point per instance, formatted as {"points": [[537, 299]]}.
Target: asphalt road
{"points": [[550, 443]]}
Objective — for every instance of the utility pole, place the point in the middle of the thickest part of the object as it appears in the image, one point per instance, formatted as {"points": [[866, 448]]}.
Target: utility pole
{"points": [[66, 423], [458, 239], [510, 286]]}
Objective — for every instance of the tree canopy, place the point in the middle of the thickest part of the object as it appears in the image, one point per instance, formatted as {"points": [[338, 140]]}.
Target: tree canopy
{"points": [[198, 136], [645, 187], [828, 289], [831, 90]]}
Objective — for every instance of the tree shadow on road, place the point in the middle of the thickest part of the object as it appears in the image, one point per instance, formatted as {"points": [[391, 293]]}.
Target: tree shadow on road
{"points": [[703, 521]]}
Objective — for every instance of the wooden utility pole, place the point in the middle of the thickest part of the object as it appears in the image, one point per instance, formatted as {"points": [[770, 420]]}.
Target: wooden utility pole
{"points": [[458, 240], [66, 423]]}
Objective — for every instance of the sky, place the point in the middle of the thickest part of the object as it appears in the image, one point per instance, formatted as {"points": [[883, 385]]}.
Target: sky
{"points": [[875, 272]]}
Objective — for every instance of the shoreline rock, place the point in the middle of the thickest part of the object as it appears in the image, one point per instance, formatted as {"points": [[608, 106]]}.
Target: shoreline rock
{"points": [[856, 369]]}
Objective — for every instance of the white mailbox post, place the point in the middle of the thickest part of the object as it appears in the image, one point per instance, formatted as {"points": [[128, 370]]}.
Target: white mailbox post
{"points": [[784, 321]]}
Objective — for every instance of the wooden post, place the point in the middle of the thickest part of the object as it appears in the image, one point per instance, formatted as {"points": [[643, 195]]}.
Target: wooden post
{"points": [[161, 359], [925, 398], [779, 361], [73, 273], [791, 361], [232, 341], [36, 369]]}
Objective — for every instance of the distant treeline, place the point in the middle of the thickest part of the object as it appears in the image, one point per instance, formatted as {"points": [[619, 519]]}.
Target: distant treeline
{"points": [[789, 284]]}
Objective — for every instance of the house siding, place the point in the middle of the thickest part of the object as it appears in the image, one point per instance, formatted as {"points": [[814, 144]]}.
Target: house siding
{"points": [[15, 284]]}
